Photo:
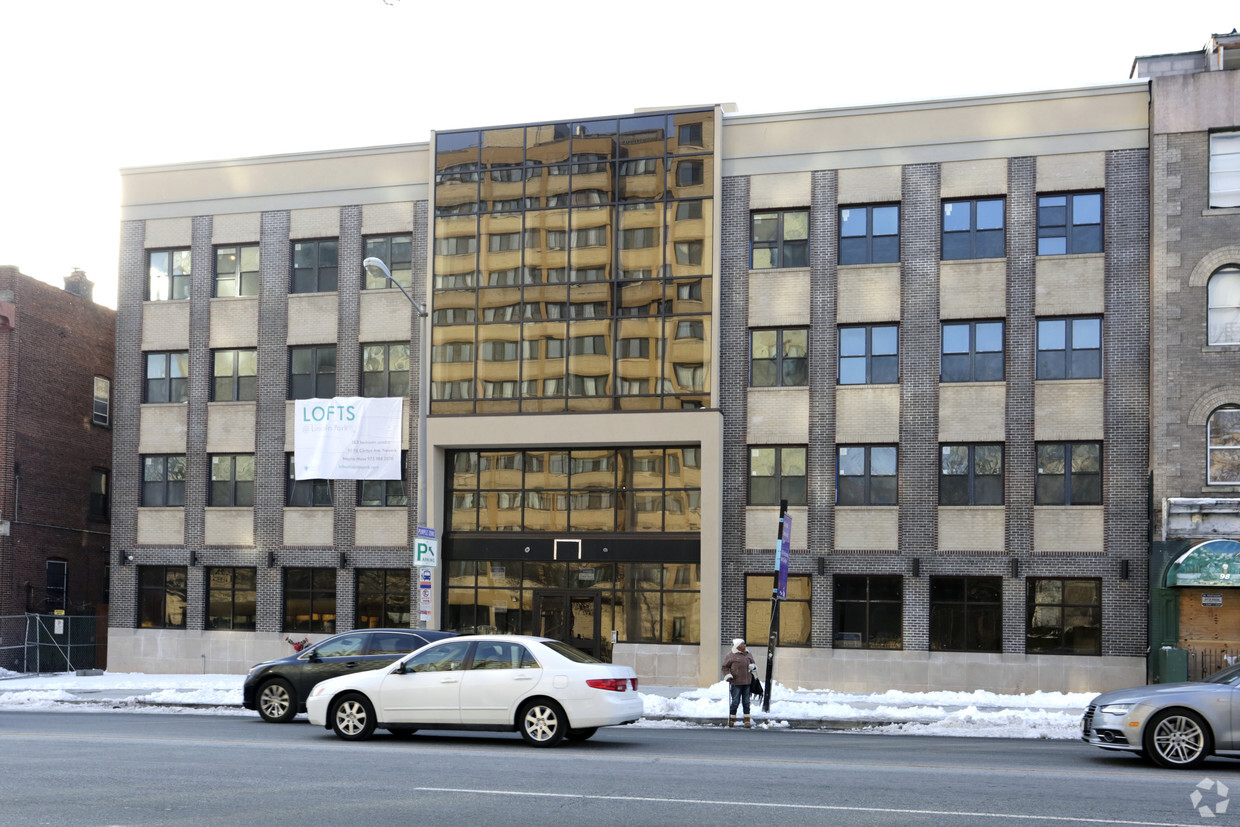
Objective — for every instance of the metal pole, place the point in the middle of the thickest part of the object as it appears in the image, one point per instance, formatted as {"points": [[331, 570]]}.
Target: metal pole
{"points": [[772, 639]]}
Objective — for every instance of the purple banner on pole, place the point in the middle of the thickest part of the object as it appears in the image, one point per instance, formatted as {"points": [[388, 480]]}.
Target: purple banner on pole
{"points": [[785, 551]]}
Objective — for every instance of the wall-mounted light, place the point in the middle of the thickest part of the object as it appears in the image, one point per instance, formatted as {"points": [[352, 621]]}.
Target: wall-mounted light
{"points": [[1015, 565], [1123, 569], [123, 557], [271, 559], [193, 558], [822, 565], [917, 567], [344, 560]]}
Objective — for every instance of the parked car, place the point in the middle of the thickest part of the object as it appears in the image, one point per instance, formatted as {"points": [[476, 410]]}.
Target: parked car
{"points": [[1175, 725], [278, 688], [545, 689]]}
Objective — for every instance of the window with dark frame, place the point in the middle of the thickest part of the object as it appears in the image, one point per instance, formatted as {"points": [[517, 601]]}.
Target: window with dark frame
{"points": [[795, 613], [866, 475], [777, 472], [1064, 616], [312, 372], [966, 614], [165, 377], [869, 611], [168, 275], [305, 493], [316, 266], [234, 375], [161, 597], [1070, 223], [973, 228], [163, 480], [972, 352], [232, 598], [101, 404], [1223, 305], [396, 251], [385, 493], [1223, 446], [870, 235], [971, 475], [99, 505], [385, 370], [869, 355], [1070, 348], [232, 481], [382, 598], [780, 238], [778, 357], [57, 580], [310, 600], [236, 271], [1069, 473]]}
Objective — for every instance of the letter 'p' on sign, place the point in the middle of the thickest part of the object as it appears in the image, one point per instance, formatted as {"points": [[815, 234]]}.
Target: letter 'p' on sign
{"points": [[425, 552]]}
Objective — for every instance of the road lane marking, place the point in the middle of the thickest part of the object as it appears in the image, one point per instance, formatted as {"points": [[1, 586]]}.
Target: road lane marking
{"points": [[823, 807]]}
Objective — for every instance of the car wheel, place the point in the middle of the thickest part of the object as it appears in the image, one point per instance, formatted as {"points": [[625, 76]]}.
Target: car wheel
{"points": [[277, 702], [404, 733], [353, 718], [581, 734], [542, 723], [1177, 739]]}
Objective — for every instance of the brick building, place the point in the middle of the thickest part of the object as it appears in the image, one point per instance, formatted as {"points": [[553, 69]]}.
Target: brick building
{"points": [[925, 326], [56, 350]]}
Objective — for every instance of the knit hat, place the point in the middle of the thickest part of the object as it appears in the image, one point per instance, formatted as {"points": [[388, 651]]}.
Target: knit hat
{"points": [[737, 643]]}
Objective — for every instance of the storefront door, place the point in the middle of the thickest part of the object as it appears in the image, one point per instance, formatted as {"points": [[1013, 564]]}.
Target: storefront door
{"points": [[570, 616]]}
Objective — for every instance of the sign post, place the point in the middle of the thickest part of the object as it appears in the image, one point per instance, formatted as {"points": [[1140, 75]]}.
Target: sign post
{"points": [[426, 560], [783, 547]]}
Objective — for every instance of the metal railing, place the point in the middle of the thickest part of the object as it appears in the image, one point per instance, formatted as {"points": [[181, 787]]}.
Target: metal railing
{"points": [[38, 643], [1204, 661]]}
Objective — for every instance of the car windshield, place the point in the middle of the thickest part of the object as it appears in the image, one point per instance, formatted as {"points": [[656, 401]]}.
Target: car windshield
{"points": [[571, 652], [1229, 676]]}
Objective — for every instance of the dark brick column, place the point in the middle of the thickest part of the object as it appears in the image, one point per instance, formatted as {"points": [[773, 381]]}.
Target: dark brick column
{"points": [[348, 371], [197, 463]]}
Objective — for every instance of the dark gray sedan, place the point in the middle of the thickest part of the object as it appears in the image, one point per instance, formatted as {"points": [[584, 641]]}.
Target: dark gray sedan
{"points": [[278, 689], [1175, 725]]}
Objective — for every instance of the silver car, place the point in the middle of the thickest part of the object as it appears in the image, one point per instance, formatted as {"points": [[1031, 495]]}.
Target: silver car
{"points": [[1175, 725]]}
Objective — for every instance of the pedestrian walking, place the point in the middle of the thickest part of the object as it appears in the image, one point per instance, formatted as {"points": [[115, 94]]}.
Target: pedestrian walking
{"points": [[738, 671]]}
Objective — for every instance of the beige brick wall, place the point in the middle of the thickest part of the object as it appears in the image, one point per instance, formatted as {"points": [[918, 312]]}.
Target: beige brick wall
{"points": [[778, 416], [168, 232], [308, 527], [778, 298], [1075, 528], [1082, 170], [161, 526], [868, 293], [869, 527], [236, 228], [973, 289], [382, 527], [971, 528], [1070, 285], [323, 222], [867, 413], [966, 179], [762, 526], [972, 411], [165, 325], [868, 185], [230, 427], [229, 527], [162, 429], [380, 219], [385, 317], [781, 190], [234, 323], [312, 319], [1068, 410]]}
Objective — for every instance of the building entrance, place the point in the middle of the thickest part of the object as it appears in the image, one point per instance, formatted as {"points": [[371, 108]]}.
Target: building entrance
{"points": [[572, 617]]}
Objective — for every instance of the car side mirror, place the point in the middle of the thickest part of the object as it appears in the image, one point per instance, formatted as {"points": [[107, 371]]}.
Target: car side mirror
{"points": [[400, 669], [313, 657]]}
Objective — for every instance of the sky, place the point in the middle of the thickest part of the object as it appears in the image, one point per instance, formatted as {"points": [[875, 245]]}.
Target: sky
{"points": [[88, 88]]}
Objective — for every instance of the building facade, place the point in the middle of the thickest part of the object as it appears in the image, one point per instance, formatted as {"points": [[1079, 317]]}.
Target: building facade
{"points": [[925, 327], [55, 430]]}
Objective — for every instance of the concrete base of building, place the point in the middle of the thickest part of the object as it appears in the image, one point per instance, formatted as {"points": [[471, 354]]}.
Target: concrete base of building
{"points": [[180, 651]]}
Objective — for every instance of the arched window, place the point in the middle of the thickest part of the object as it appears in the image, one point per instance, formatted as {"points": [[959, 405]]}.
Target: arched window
{"points": [[1223, 441], [1223, 290]]}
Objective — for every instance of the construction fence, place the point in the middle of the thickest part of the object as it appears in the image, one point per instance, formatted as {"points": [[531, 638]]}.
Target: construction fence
{"points": [[42, 643]]}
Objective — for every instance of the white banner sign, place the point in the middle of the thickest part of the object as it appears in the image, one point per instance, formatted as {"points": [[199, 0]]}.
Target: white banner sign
{"points": [[347, 438]]}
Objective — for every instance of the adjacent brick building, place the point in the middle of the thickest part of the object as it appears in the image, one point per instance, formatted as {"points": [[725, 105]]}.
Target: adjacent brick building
{"points": [[56, 352]]}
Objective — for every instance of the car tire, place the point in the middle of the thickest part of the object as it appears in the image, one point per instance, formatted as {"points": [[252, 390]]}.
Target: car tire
{"points": [[353, 718], [584, 734], [277, 702], [404, 733], [542, 723], [1177, 739]]}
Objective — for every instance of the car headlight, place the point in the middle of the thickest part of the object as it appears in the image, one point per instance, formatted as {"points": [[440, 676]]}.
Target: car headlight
{"points": [[1116, 709]]}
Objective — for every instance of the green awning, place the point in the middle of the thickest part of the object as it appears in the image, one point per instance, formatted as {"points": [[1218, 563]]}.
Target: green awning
{"points": [[1212, 563]]}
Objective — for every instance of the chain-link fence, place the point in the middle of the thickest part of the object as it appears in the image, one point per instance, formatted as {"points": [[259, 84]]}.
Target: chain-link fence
{"points": [[48, 643]]}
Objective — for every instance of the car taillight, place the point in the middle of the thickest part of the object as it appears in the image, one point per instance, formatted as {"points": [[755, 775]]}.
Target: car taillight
{"points": [[634, 684], [611, 684]]}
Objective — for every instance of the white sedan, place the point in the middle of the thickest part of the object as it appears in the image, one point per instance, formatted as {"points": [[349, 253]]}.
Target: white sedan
{"points": [[544, 689]]}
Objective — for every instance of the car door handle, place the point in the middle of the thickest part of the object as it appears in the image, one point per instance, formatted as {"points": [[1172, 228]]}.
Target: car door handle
{"points": [[451, 680], [351, 665], [523, 678]]}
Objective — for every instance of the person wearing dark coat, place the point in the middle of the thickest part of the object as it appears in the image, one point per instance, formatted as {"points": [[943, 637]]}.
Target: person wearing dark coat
{"points": [[738, 670]]}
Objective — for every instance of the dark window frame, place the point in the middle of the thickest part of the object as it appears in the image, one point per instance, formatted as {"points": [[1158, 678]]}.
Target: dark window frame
{"points": [[1076, 240], [785, 371], [1068, 475], [244, 283], [861, 248], [320, 594], [979, 367], [166, 389], [783, 248], [232, 595], [880, 368], [316, 493], [973, 242], [785, 487], [99, 504], [171, 492], [160, 588], [766, 584], [56, 584], [1071, 369], [868, 495], [390, 493], [321, 277], [980, 634], [972, 495], [395, 381], [242, 387], [178, 282], [394, 593], [1036, 645], [390, 248], [318, 375], [864, 637], [231, 491]]}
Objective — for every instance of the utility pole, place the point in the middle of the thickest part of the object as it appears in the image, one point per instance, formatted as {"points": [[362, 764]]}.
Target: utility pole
{"points": [[778, 593]]}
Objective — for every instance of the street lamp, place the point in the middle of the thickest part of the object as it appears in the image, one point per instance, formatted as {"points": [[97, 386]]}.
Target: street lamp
{"points": [[377, 269]]}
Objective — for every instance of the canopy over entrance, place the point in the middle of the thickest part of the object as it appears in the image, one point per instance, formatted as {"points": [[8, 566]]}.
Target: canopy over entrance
{"points": [[1212, 563]]}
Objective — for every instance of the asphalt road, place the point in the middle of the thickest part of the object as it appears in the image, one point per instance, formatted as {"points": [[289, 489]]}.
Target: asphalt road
{"points": [[66, 768]]}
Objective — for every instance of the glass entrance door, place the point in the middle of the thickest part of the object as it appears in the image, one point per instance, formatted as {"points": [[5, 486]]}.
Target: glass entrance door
{"points": [[570, 616]]}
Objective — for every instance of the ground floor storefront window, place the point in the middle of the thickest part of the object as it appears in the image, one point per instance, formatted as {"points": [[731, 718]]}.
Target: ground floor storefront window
{"points": [[1065, 616], [794, 611], [382, 598], [161, 597], [310, 600], [966, 614], [869, 611]]}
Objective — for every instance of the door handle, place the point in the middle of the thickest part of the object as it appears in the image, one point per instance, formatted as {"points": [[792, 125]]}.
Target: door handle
{"points": [[451, 680], [523, 679]]}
